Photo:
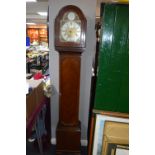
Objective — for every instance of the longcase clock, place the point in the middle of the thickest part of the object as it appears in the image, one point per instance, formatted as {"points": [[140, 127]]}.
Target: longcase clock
{"points": [[70, 38]]}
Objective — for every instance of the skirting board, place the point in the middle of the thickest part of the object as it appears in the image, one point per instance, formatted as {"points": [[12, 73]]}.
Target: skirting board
{"points": [[83, 142]]}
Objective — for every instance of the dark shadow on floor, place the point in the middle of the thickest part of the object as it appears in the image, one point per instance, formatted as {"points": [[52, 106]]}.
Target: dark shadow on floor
{"points": [[32, 150]]}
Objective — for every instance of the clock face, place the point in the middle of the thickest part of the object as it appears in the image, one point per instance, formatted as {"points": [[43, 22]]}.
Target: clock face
{"points": [[70, 28], [71, 31]]}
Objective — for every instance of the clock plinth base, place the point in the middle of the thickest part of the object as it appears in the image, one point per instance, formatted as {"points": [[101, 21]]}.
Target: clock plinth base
{"points": [[68, 140]]}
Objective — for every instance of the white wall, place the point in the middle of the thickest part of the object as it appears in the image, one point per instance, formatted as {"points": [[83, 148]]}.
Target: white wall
{"points": [[89, 9]]}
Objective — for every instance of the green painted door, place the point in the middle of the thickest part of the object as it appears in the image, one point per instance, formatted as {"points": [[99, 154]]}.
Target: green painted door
{"points": [[112, 88]]}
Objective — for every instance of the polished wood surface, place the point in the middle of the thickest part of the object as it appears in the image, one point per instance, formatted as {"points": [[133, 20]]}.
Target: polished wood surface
{"points": [[69, 88], [68, 138], [68, 129]]}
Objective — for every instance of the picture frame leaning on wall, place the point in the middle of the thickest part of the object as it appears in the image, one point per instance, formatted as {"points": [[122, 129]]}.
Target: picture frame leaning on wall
{"points": [[101, 119], [116, 134]]}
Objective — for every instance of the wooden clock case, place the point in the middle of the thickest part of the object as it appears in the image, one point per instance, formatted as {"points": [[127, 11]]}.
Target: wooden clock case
{"points": [[70, 46], [68, 131]]}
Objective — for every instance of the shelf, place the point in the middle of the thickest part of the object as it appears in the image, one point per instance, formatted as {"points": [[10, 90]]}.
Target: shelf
{"points": [[37, 34]]}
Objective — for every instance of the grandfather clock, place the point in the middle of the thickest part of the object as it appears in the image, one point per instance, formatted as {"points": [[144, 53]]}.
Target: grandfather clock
{"points": [[70, 36]]}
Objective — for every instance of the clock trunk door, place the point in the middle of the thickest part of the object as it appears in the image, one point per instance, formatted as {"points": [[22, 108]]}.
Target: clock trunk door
{"points": [[69, 86]]}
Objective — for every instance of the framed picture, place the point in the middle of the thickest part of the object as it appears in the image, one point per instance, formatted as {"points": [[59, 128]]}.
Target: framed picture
{"points": [[99, 130], [115, 133]]}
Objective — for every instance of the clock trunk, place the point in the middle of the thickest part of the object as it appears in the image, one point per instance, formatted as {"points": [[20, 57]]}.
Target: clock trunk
{"points": [[69, 126]]}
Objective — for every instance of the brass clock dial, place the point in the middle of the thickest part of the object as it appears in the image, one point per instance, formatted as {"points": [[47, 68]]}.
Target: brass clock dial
{"points": [[70, 28], [71, 31]]}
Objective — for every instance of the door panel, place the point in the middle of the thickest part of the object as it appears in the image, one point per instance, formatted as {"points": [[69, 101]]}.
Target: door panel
{"points": [[112, 88]]}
